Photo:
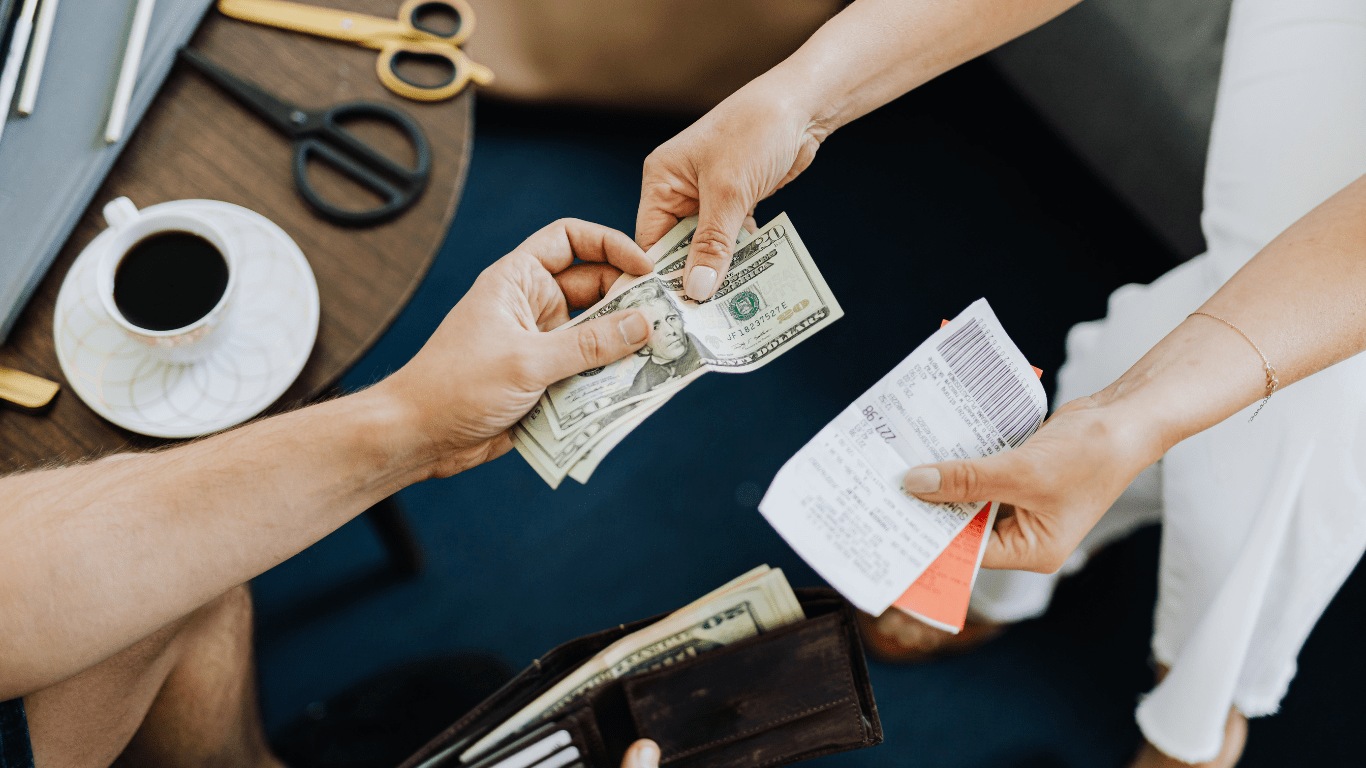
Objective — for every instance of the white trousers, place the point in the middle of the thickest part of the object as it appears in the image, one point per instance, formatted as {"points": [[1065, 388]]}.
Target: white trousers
{"points": [[1262, 521]]}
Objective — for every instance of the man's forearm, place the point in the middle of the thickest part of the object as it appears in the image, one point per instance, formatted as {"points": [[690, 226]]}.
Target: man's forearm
{"points": [[98, 555], [876, 50]]}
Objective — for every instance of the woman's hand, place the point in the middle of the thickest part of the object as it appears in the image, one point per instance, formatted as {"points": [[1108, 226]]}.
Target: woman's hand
{"points": [[767, 133], [750, 145], [496, 351], [1053, 489], [1301, 298]]}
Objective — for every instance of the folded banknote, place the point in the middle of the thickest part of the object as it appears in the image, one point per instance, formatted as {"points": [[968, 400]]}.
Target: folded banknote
{"points": [[772, 299]]}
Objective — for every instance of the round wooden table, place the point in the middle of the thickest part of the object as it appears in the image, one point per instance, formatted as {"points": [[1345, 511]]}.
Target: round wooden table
{"points": [[197, 142]]}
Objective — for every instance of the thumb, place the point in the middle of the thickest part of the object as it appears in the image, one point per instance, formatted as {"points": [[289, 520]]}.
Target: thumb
{"points": [[592, 344], [990, 478], [722, 214], [642, 754], [654, 218]]}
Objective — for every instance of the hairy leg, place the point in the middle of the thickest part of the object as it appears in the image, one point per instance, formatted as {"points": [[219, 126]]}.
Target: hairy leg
{"points": [[185, 695]]}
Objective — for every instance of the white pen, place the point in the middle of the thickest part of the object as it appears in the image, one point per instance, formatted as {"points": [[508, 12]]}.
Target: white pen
{"points": [[128, 75], [41, 35], [9, 78]]}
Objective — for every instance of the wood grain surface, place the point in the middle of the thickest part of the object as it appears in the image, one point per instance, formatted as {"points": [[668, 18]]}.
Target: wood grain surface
{"points": [[197, 142]]}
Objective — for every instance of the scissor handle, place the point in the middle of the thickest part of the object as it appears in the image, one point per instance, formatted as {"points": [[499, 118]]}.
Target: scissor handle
{"points": [[464, 70], [464, 18], [398, 186]]}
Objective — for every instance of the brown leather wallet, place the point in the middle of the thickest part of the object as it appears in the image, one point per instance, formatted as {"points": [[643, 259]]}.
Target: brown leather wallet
{"points": [[793, 693]]}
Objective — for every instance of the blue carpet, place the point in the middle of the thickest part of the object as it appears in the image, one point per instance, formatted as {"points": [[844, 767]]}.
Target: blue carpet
{"points": [[954, 192]]}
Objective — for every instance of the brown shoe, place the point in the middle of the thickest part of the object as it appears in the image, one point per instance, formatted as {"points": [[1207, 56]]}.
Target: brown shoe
{"points": [[1235, 738], [898, 638]]}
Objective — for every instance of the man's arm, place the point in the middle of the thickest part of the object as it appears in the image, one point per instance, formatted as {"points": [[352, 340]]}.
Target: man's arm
{"points": [[99, 555], [95, 557]]}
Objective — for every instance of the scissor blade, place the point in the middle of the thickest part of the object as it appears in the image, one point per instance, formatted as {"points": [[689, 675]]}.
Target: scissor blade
{"points": [[310, 19], [280, 113]]}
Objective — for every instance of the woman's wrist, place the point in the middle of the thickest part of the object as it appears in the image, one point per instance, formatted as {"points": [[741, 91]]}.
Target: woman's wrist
{"points": [[1197, 376], [810, 89], [862, 58], [1136, 425], [1117, 429], [792, 98]]}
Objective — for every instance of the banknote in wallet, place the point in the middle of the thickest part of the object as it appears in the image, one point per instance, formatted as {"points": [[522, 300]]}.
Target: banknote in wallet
{"points": [[753, 674]]}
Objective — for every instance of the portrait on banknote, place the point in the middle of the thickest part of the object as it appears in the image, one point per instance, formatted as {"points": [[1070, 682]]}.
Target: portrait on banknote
{"points": [[672, 352], [773, 298], [670, 355]]}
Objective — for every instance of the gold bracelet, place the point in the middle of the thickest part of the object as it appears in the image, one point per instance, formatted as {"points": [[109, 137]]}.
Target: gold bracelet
{"points": [[1271, 381]]}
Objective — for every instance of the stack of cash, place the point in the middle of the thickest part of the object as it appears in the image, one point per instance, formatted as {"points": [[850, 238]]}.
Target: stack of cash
{"points": [[772, 299], [754, 603]]}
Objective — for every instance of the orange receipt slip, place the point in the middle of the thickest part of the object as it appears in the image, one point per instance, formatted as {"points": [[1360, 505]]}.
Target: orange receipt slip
{"points": [[940, 596], [965, 392]]}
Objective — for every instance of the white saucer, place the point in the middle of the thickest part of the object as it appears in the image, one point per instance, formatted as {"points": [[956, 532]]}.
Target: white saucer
{"points": [[267, 337]]}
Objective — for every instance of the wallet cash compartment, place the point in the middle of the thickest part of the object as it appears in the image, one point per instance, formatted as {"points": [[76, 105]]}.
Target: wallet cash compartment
{"points": [[726, 708], [790, 694]]}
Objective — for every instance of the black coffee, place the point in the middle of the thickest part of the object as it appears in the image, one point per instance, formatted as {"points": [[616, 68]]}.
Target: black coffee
{"points": [[169, 280]]}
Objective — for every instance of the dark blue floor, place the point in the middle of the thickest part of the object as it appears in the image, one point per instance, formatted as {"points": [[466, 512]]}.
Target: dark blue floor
{"points": [[953, 193]]}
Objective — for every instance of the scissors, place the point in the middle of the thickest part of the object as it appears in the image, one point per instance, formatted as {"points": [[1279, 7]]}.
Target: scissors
{"points": [[393, 38], [318, 134]]}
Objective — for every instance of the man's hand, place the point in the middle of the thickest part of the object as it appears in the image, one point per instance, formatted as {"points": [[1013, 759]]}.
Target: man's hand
{"points": [[215, 512], [492, 356], [720, 167], [1053, 489], [642, 754]]}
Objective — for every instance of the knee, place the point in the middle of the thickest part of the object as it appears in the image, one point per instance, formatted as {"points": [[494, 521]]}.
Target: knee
{"points": [[205, 651], [235, 603], [228, 614]]}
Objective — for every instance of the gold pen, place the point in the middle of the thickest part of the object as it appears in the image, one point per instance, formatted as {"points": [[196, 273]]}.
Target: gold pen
{"points": [[26, 392]]}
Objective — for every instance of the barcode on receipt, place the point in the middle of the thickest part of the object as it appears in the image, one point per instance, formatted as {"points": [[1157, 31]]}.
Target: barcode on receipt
{"points": [[973, 357]]}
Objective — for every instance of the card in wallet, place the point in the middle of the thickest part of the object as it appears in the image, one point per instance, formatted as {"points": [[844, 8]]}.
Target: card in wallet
{"points": [[789, 694]]}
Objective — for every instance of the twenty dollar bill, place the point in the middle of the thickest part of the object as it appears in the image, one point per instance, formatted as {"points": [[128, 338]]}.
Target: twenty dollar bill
{"points": [[752, 604], [773, 298]]}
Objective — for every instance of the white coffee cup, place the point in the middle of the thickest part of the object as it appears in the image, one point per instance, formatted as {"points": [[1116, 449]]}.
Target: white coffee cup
{"points": [[130, 227]]}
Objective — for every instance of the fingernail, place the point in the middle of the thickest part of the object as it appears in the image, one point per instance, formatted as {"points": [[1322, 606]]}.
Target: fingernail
{"points": [[634, 329], [701, 283], [921, 480], [647, 755]]}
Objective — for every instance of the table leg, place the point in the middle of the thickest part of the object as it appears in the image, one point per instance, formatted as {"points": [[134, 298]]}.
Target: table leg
{"points": [[391, 525]]}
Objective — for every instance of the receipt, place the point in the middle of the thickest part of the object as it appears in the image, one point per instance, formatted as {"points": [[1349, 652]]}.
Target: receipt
{"points": [[964, 393]]}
